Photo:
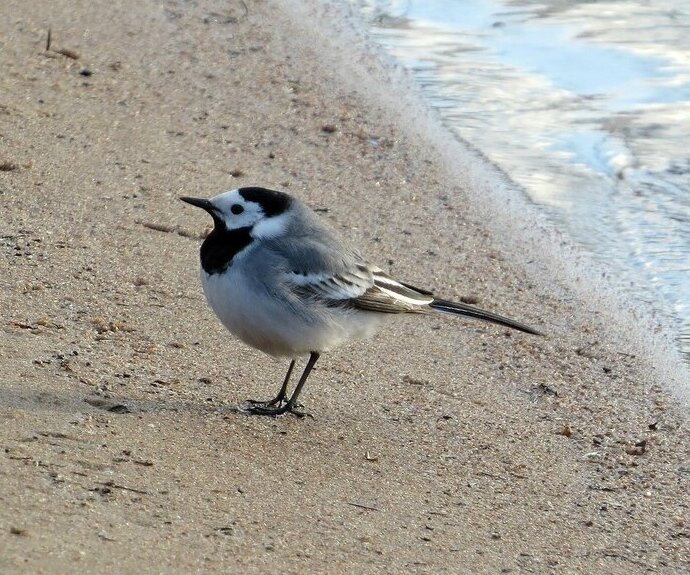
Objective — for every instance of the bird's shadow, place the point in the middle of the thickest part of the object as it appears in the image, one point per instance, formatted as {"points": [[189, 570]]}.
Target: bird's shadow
{"points": [[88, 402]]}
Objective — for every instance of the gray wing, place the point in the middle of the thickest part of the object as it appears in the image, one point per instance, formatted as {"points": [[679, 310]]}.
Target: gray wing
{"points": [[357, 284], [321, 267]]}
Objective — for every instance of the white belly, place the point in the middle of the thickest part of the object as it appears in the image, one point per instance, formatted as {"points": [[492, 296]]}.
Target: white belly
{"points": [[282, 326]]}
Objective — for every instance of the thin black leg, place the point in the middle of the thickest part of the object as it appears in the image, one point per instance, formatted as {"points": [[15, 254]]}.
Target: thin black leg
{"points": [[288, 407], [282, 394]]}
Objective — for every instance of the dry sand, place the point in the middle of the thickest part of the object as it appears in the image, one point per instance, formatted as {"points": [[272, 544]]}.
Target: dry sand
{"points": [[439, 447]]}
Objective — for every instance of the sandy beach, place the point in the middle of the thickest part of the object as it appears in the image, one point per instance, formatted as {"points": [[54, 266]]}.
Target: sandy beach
{"points": [[441, 446]]}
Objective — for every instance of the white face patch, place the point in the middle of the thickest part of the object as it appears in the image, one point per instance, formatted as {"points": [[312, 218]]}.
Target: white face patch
{"points": [[270, 227], [236, 212]]}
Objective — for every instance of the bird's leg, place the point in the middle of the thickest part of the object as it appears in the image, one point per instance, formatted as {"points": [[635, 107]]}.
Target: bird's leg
{"points": [[282, 394], [288, 407]]}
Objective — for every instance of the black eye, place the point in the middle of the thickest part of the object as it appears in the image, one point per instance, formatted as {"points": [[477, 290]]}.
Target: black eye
{"points": [[236, 209]]}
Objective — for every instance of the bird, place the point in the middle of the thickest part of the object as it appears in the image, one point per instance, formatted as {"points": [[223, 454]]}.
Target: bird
{"points": [[283, 281]]}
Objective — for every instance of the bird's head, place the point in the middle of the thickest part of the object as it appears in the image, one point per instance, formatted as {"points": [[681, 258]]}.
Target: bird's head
{"points": [[264, 212]]}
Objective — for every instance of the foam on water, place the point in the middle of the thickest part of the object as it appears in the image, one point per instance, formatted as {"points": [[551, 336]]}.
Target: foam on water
{"points": [[548, 256]]}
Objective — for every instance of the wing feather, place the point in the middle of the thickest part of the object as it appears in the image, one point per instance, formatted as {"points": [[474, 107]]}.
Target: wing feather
{"points": [[390, 296], [363, 287]]}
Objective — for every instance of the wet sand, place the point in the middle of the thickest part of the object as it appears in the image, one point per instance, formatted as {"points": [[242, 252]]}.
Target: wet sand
{"points": [[441, 446]]}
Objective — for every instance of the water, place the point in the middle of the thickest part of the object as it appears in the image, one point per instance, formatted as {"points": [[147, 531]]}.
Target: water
{"points": [[585, 104]]}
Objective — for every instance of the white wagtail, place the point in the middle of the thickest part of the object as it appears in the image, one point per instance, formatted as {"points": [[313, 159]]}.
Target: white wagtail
{"points": [[279, 278]]}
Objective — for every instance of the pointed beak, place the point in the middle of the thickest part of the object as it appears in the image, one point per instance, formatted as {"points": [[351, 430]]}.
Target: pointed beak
{"points": [[200, 203]]}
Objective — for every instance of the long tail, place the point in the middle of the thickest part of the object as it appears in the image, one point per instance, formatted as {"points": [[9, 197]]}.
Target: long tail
{"points": [[466, 310]]}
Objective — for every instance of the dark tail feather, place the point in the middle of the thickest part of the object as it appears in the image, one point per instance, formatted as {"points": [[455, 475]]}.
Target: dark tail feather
{"points": [[471, 311]]}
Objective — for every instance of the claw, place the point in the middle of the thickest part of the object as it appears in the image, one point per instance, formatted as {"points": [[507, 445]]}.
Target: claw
{"points": [[261, 408], [261, 402]]}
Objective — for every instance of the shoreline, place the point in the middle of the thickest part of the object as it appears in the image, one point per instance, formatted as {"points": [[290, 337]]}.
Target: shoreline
{"points": [[438, 447]]}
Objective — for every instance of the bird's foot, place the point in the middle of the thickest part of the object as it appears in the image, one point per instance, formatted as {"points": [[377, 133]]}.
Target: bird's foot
{"points": [[264, 408]]}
